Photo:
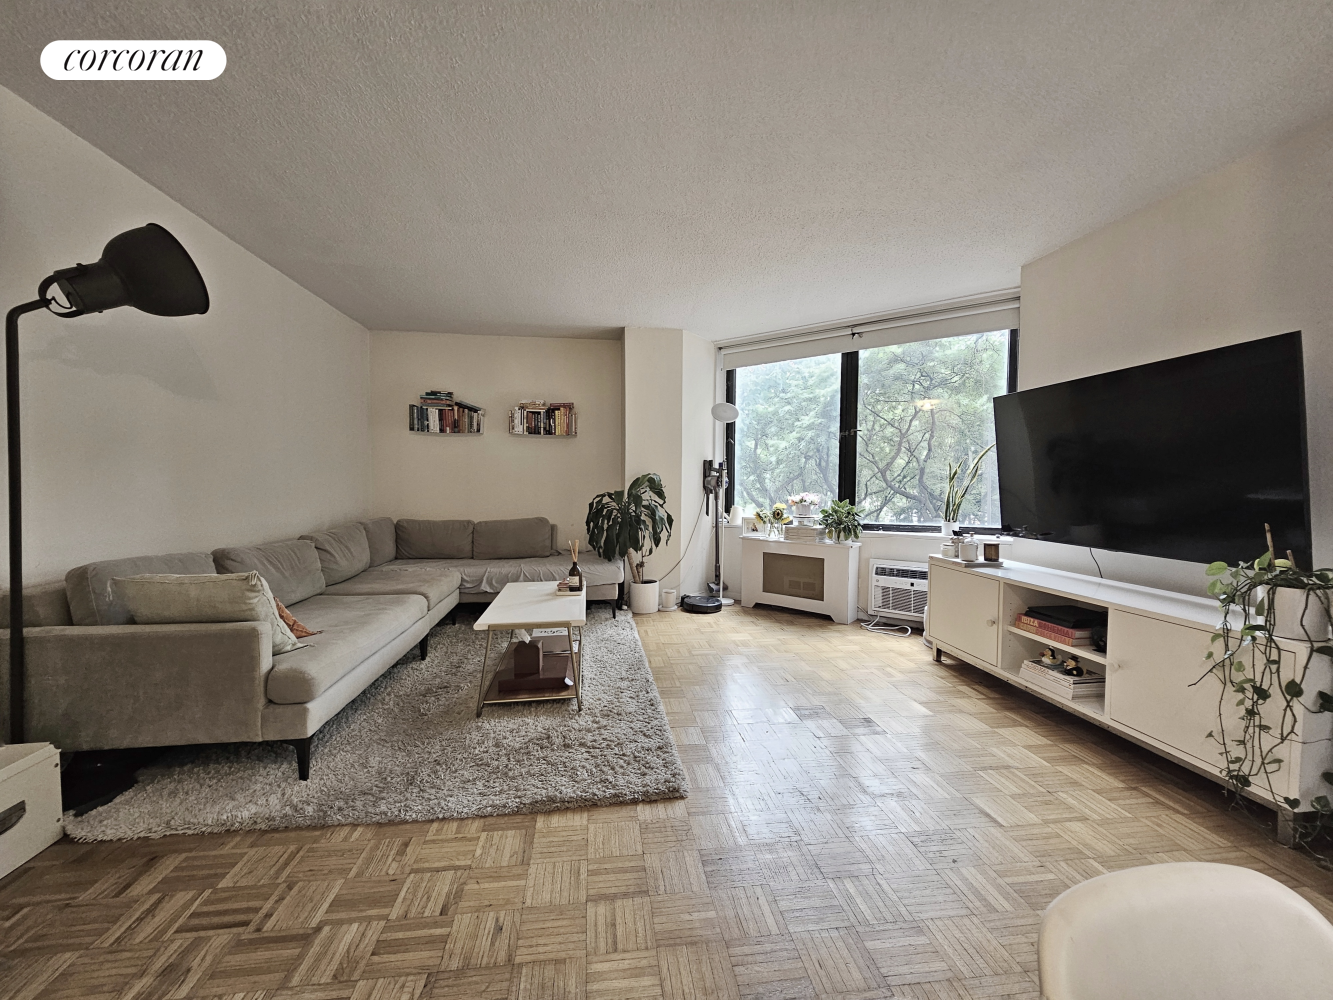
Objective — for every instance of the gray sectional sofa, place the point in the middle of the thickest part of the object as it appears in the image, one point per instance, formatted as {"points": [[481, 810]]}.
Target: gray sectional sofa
{"points": [[372, 589]]}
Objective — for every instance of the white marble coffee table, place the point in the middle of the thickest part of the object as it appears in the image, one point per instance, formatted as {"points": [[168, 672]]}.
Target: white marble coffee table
{"points": [[534, 606]]}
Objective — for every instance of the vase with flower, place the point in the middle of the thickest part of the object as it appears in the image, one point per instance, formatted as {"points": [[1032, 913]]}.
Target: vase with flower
{"points": [[803, 504]]}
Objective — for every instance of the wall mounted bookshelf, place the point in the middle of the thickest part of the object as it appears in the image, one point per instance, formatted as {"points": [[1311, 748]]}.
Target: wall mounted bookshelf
{"points": [[538, 418], [439, 412]]}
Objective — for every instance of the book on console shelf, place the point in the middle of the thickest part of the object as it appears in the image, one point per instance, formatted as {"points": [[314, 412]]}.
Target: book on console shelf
{"points": [[1044, 630], [1056, 681], [1067, 616]]}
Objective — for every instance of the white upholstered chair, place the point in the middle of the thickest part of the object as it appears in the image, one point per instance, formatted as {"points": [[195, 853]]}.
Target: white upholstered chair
{"points": [[1184, 931]]}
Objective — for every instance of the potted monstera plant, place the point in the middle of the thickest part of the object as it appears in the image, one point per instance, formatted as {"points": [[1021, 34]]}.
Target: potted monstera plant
{"points": [[631, 524]]}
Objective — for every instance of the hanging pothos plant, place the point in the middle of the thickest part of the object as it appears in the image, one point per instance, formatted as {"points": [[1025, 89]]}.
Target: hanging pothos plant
{"points": [[1262, 694]]}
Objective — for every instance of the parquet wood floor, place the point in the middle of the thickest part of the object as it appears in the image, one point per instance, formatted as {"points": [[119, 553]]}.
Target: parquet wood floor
{"points": [[864, 823]]}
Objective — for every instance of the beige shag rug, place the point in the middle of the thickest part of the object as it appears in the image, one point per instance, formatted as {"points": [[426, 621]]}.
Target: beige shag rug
{"points": [[410, 748]]}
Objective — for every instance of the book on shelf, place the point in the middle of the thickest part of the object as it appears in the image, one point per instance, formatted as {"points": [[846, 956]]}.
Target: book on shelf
{"points": [[804, 533], [1052, 635], [1077, 636], [1068, 616], [541, 418], [455, 418], [1053, 678]]}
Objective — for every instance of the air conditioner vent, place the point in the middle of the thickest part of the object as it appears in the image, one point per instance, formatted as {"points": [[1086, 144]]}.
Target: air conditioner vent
{"points": [[898, 590]]}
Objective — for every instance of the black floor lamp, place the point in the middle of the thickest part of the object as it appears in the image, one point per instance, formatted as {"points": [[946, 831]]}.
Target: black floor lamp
{"points": [[146, 268]]}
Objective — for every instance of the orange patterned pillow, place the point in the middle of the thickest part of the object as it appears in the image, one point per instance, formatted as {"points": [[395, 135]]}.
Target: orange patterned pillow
{"points": [[298, 630]]}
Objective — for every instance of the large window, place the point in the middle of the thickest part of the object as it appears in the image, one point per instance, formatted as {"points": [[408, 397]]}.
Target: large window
{"points": [[919, 408], [787, 434]]}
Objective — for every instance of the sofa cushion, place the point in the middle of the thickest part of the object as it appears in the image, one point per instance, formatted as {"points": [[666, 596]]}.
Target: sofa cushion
{"points": [[91, 599], [291, 568], [382, 537], [520, 538], [488, 576], [434, 583], [344, 551], [175, 599], [434, 539], [352, 629]]}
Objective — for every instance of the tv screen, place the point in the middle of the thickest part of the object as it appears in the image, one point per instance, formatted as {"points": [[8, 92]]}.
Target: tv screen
{"points": [[1186, 458]]}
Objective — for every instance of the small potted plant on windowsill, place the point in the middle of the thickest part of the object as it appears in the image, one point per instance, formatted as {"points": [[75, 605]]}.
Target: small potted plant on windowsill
{"points": [[631, 524], [955, 491], [841, 521]]}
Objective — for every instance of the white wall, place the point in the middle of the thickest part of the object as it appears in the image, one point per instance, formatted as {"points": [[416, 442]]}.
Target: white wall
{"points": [[669, 386], [701, 438], [1244, 252], [495, 474], [143, 434]]}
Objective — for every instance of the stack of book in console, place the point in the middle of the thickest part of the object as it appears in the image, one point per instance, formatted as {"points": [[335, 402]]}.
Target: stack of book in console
{"points": [[1066, 623], [1052, 678]]}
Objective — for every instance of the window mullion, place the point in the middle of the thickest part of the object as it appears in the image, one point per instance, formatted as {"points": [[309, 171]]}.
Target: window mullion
{"points": [[849, 397]]}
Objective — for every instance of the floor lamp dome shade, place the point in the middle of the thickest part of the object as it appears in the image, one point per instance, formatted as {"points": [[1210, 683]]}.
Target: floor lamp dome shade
{"points": [[725, 412], [146, 268]]}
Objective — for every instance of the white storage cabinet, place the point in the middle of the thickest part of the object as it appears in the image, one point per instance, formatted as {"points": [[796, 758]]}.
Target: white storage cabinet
{"points": [[1155, 646], [30, 817]]}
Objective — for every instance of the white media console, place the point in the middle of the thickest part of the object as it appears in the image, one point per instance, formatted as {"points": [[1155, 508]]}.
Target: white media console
{"points": [[1155, 646]]}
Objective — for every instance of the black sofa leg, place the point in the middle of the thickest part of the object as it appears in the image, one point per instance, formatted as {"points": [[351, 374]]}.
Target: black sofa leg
{"points": [[422, 645], [302, 748]]}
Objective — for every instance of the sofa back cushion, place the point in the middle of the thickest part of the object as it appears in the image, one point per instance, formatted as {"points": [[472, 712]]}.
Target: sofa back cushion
{"points": [[344, 551], [92, 600], [291, 568], [434, 539], [382, 537], [520, 538], [165, 599]]}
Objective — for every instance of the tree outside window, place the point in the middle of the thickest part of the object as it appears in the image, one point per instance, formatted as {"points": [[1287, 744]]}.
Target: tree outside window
{"points": [[787, 434], [921, 406]]}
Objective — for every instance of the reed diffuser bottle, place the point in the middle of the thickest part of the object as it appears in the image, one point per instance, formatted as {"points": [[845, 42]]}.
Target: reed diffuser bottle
{"points": [[575, 574]]}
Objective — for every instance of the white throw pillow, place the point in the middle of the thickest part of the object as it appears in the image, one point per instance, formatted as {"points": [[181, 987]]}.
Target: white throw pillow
{"points": [[168, 599]]}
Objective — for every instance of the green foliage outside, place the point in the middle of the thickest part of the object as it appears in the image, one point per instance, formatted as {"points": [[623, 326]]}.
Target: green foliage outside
{"points": [[922, 407]]}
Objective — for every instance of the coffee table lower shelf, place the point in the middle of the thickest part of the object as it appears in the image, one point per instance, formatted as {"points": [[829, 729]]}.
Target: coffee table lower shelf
{"points": [[506, 671]]}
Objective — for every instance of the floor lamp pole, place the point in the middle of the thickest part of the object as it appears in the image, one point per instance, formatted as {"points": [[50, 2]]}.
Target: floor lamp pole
{"points": [[17, 672]]}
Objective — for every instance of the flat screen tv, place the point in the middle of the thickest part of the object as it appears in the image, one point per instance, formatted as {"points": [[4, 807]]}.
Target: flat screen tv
{"points": [[1186, 458]]}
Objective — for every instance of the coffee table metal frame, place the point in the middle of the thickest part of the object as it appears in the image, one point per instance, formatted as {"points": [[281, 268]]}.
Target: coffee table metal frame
{"points": [[532, 606]]}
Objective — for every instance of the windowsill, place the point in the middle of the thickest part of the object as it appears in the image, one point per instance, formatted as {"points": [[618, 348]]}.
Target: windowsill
{"points": [[931, 535]]}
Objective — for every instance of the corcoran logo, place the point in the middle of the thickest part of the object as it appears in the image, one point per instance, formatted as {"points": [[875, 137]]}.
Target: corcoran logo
{"points": [[133, 60]]}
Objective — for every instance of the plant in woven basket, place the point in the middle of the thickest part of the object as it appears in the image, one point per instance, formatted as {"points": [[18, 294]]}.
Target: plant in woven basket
{"points": [[631, 523]]}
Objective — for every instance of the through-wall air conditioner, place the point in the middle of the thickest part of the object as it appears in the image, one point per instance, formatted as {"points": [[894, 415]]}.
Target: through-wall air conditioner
{"points": [[898, 589]]}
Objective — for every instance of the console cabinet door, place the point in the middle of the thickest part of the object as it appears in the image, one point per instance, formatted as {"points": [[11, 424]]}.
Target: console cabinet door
{"points": [[1153, 665], [964, 611]]}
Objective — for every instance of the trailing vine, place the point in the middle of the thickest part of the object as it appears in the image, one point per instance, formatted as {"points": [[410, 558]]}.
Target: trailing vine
{"points": [[1268, 693]]}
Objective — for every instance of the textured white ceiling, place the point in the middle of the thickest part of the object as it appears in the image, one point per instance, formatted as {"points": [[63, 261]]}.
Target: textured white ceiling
{"points": [[725, 167]]}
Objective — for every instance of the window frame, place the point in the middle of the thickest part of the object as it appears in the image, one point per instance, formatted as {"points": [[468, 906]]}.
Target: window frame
{"points": [[849, 396]]}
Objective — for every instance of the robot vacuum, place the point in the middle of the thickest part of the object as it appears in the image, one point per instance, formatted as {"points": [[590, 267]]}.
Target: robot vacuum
{"points": [[701, 605]]}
